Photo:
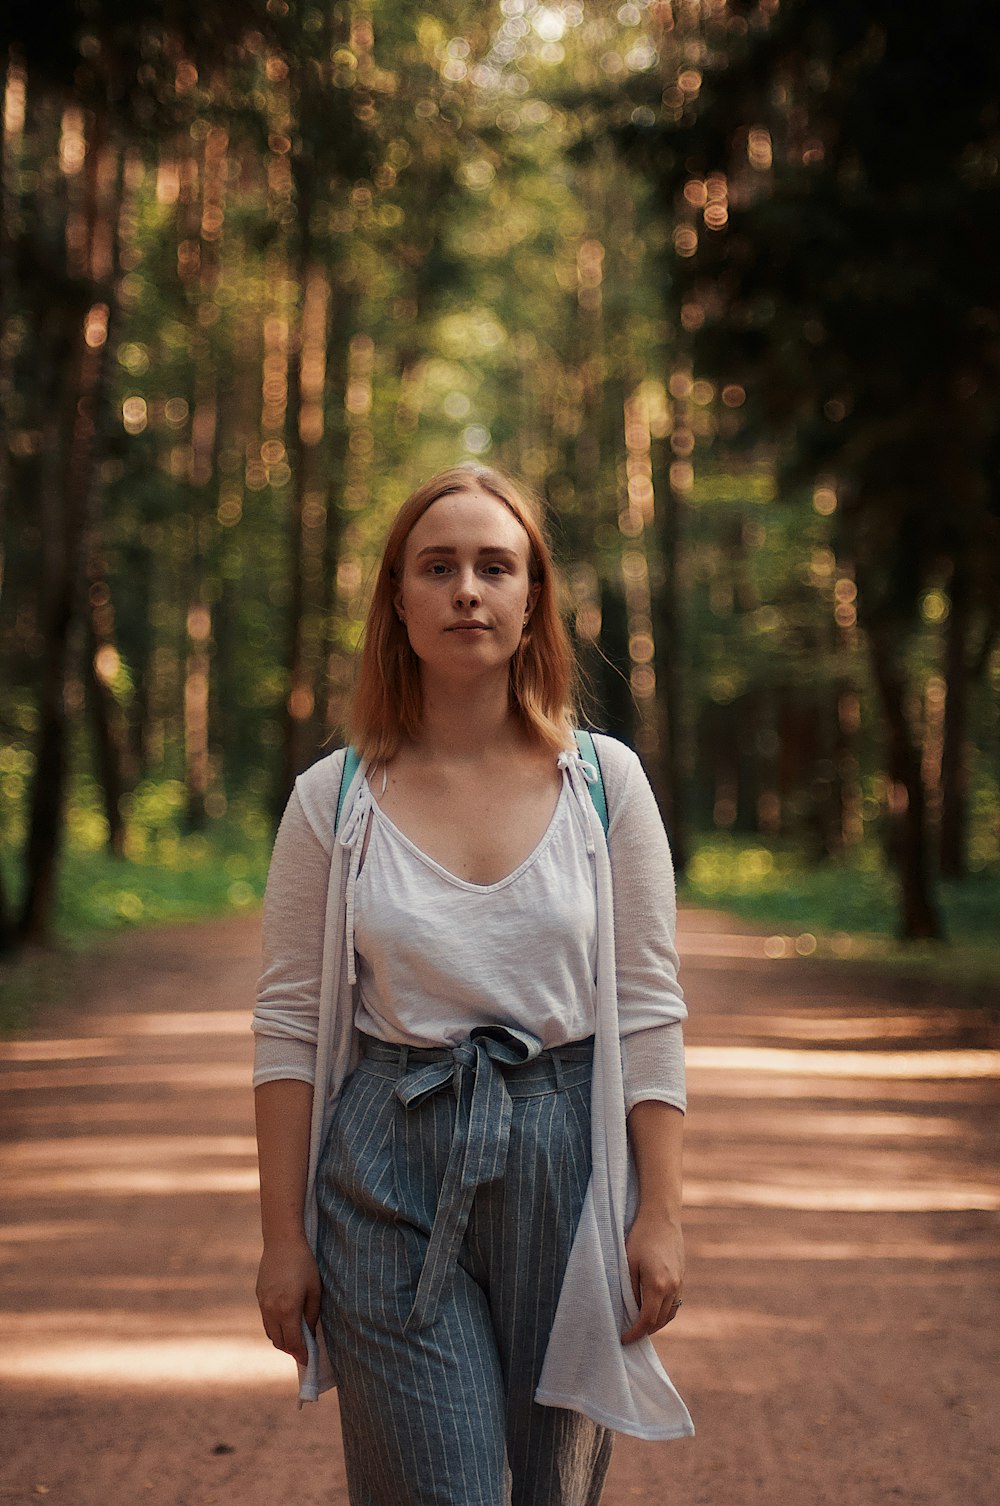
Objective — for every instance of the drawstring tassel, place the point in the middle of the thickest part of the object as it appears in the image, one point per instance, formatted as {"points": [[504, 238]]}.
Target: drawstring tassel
{"points": [[579, 770], [352, 837]]}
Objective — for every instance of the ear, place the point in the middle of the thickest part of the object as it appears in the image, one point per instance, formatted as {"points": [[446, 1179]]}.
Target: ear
{"points": [[397, 601], [533, 592]]}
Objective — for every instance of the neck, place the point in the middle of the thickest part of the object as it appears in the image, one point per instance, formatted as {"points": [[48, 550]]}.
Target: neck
{"points": [[464, 722]]}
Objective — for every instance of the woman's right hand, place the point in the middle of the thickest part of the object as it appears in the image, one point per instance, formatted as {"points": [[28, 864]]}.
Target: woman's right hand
{"points": [[288, 1290]]}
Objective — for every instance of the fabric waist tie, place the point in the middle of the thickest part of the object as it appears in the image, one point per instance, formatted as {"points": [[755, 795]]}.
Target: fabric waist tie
{"points": [[478, 1151]]}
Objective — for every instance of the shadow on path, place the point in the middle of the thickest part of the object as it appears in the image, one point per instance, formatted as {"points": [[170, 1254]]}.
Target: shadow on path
{"points": [[838, 1340]]}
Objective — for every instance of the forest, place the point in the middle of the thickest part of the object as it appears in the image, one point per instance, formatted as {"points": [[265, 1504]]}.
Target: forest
{"points": [[717, 279]]}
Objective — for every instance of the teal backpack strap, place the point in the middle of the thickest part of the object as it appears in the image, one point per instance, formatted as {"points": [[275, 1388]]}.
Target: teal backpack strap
{"points": [[588, 752], [351, 760]]}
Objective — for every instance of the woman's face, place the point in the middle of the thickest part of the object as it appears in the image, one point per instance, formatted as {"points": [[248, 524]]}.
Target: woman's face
{"points": [[464, 594]]}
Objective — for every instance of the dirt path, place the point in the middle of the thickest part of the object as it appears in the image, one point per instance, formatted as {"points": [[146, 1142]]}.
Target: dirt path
{"points": [[839, 1339]]}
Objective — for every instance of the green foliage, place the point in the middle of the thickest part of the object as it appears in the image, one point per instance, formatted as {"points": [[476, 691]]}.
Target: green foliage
{"points": [[844, 908], [167, 873], [184, 878], [836, 183], [776, 882]]}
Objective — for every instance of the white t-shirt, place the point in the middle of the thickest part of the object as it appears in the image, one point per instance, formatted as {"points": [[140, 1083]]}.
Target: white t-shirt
{"points": [[437, 955]]}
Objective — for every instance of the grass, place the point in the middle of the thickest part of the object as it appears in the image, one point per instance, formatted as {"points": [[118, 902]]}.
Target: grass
{"points": [[183, 879], [848, 909]]}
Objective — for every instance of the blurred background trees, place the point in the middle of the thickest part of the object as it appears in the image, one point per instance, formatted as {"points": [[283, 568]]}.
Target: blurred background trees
{"points": [[832, 179], [716, 278]]}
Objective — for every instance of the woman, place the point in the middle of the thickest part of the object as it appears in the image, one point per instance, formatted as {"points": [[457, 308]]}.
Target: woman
{"points": [[469, 1082]]}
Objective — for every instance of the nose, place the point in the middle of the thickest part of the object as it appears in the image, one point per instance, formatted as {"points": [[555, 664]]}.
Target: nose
{"points": [[466, 590]]}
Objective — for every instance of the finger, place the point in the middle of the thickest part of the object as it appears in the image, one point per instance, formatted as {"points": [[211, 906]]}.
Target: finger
{"points": [[656, 1312], [292, 1341], [635, 1330], [285, 1344], [285, 1333], [642, 1324], [633, 1276], [669, 1309], [311, 1309], [633, 1333]]}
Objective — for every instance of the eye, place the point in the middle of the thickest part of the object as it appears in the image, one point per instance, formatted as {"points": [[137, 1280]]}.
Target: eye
{"points": [[496, 569], [437, 567]]}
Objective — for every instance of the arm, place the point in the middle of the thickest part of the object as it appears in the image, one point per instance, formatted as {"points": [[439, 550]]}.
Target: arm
{"points": [[655, 1244], [285, 1025], [286, 1016], [651, 1009], [651, 1005], [288, 1287]]}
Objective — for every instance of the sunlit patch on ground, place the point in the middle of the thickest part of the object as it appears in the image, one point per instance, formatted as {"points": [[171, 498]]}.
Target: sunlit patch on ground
{"points": [[109, 1039], [841, 1196], [108, 1165], [862, 1064], [836, 1250], [196, 1362]]}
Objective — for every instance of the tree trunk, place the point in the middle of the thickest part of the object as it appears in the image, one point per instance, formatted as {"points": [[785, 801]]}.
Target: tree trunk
{"points": [[13, 130], [725, 765], [669, 640], [198, 659], [196, 681], [299, 697], [845, 795], [954, 772], [143, 648], [615, 694], [110, 733], [341, 317], [101, 658], [919, 918], [65, 597], [748, 785], [57, 355], [8, 935]]}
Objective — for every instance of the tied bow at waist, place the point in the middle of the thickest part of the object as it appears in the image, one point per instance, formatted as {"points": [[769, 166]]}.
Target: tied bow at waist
{"points": [[478, 1152]]}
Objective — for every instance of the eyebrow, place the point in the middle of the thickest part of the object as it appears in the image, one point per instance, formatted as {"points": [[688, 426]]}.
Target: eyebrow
{"points": [[449, 549]]}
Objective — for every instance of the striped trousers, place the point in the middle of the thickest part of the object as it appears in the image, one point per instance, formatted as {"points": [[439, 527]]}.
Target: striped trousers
{"points": [[449, 1188]]}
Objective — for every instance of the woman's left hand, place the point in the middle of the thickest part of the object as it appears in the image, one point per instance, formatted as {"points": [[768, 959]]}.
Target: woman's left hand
{"points": [[655, 1250]]}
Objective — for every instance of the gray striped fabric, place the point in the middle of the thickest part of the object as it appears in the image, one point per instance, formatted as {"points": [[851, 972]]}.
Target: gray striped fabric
{"points": [[442, 1412]]}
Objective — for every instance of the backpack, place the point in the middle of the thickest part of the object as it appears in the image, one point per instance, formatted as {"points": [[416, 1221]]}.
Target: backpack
{"points": [[584, 741]]}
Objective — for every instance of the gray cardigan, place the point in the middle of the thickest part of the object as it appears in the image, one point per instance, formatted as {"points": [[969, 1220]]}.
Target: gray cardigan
{"points": [[304, 1025]]}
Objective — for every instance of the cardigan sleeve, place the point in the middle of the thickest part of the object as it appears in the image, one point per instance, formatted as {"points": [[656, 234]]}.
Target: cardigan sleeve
{"points": [[650, 1000], [286, 1016]]}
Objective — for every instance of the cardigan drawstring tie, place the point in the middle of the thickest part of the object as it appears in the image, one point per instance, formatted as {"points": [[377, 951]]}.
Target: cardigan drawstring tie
{"points": [[580, 774], [352, 837]]}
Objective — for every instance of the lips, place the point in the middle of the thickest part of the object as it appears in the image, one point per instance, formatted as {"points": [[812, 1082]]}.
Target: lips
{"points": [[467, 627]]}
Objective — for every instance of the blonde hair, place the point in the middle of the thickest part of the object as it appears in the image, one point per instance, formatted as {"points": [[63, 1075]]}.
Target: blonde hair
{"points": [[387, 703]]}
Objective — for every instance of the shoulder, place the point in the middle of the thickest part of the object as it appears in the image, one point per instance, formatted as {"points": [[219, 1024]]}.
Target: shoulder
{"points": [[631, 803], [318, 788], [619, 763]]}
